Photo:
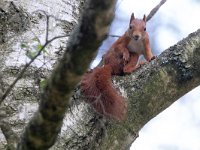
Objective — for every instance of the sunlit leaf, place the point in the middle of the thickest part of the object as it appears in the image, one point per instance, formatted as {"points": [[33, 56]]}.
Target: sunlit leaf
{"points": [[31, 54], [39, 47], [23, 45], [43, 83], [35, 39]]}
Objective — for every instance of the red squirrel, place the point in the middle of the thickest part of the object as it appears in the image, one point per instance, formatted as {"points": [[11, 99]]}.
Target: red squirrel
{"points": [[121, 58]]}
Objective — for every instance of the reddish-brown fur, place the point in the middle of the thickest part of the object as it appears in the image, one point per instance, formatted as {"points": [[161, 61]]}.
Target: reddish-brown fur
{"points": [[121, 58]]}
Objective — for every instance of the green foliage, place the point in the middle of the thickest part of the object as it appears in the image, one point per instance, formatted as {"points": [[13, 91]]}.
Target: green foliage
{"points": [[39, 47], [33, 49], [23, 45], [31, 54], [36, 39], [43, 83]]}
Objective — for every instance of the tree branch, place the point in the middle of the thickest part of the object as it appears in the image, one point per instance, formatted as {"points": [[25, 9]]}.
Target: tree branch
{"points": [[155, 9], [10, 135], [148, 92], [43, 128]]}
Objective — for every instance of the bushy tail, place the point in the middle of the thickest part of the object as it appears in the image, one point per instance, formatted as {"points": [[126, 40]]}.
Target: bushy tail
{"points": [[99, 92]]}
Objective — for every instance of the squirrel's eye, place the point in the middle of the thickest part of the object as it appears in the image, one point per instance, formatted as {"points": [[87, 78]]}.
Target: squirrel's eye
{"points": [[145, 29], [130, 27]]}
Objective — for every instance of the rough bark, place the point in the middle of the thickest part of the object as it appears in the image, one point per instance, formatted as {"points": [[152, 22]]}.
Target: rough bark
{"points": [[10, 135], [42, 130], [148, 91]]}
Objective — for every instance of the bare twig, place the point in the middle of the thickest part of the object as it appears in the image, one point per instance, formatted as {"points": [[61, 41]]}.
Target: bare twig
{"points": [[52, 16], [155, 9], [8, 90], [112, 35], [47, 28], [47, 22]]}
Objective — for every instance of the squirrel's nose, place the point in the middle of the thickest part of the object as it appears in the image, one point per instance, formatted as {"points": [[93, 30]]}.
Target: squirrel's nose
{"points": [[136, 37]]}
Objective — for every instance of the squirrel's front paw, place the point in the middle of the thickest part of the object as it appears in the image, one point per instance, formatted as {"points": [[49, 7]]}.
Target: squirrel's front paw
{"points": [[152, 58], [126, 57]]}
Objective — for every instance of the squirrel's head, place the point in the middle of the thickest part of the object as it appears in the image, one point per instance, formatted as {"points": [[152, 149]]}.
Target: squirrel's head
{"points": [[137, 28]]}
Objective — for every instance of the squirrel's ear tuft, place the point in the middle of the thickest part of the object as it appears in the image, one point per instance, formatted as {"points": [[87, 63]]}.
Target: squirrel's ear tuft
{"points": [[144, 18], [132, 17]]}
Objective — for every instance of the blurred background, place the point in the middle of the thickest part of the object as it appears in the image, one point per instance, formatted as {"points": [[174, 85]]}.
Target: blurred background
{"points": [[178, 127]]}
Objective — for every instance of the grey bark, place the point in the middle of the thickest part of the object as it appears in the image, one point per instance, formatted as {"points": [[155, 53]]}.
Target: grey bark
{"points": [[10, 135]]}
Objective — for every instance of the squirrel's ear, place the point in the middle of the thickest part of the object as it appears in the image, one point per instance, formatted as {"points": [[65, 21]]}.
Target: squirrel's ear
{"points": [[132, 17], [144, 18]]}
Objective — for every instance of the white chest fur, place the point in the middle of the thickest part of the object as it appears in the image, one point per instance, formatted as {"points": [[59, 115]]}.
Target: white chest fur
{"points": [[136, 46]]}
